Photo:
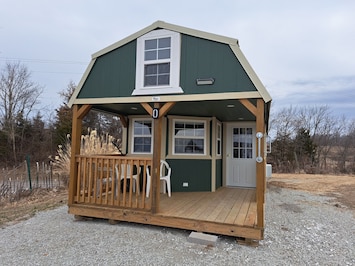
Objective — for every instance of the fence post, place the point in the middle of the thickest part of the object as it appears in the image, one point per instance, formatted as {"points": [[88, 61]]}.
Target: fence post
{"points": [[37, 173], [29, 170]]}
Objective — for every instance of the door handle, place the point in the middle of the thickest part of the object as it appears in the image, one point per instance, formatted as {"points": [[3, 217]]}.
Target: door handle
{"points": [[259, 158]]}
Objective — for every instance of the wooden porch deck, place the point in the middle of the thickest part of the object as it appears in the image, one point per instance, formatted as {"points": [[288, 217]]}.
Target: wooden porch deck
{"points": [[228, 211], [227, 205]]}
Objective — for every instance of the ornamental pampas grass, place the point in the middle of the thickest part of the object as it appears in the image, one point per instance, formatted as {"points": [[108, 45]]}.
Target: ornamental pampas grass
{"points": [[91, 143]]}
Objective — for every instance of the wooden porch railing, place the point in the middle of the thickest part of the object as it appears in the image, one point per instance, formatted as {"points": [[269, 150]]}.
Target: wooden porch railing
{"points": [[112, 181]]}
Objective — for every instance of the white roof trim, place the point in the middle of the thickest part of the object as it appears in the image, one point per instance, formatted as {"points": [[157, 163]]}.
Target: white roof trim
{"points": [[172, 98], [251, 73], [81, 83], [168, 26]]}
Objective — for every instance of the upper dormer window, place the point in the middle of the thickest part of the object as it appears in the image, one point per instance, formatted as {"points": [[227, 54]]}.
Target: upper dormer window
{"points": [[158, 63]]}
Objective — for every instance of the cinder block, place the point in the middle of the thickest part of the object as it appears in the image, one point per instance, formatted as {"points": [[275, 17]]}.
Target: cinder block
{"points": [[203, 239]]}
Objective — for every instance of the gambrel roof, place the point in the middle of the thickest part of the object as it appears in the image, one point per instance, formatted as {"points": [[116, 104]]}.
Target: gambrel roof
{"points": [[260, 91]]}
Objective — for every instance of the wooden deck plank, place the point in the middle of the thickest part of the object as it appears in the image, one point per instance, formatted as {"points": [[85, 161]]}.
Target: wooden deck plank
{"points": [[250, 219], [244, 208], [169, 206], [200, 207], [223, 201], [224, 212], [189, 205], [236, 207]]}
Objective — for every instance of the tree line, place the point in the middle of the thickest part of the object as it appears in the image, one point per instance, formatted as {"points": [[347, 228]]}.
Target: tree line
{"points": [[312, 140], [304, 139], [24, 132]]}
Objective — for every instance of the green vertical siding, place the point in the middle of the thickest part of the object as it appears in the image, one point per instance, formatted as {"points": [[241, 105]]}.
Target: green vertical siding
{"points": [[219, 171], [202, 58], [197, 173], [112, 75]]}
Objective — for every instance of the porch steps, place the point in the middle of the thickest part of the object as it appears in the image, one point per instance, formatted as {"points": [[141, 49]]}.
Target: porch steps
{"points": [[202, 238]]}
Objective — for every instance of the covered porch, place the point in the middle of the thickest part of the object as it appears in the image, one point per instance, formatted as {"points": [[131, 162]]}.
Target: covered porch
{"points": [[104, 190], [227, 211], [101, 186]]}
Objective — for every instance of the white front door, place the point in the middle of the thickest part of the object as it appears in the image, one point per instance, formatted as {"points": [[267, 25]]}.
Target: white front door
{"points": [[240, 155]]}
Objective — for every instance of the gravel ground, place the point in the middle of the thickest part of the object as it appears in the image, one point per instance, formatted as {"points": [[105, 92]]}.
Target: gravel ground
{"points": [[301, 229]]}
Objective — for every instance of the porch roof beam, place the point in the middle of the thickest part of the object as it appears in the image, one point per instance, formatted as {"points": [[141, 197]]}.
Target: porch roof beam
{"points": [[251, 107], [163, 110]]}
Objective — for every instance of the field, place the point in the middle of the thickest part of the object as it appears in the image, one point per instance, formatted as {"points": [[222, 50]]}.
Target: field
{"points": [[340, 187]]}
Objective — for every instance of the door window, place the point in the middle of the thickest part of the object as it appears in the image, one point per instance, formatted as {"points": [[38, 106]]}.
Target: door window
{"points": [[243, 143]]}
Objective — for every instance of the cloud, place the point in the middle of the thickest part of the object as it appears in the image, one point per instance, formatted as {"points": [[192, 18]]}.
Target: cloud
{"points": [[336, 92], [303, 51]]}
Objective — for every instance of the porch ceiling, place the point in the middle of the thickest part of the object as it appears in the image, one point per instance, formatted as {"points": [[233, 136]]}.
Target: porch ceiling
{"points": [[224, 110]]}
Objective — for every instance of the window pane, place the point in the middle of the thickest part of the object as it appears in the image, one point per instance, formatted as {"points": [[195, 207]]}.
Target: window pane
{"points": [[151, 44], [142, 141], [243, 143], [164, 54], [150, 81], [142, 128], [142, 144], [189, 137], [150, 55], [164, 42], [189, 146], [150, 69], [157, 74], [163, 79], [164, 68], [199, 132]]}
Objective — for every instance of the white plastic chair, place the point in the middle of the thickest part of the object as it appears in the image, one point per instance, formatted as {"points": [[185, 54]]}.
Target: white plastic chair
{"points": [[126, 171], [165, 174]]}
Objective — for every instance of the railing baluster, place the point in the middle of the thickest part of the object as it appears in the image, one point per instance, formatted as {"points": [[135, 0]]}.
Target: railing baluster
{"points": [[99, 184]]}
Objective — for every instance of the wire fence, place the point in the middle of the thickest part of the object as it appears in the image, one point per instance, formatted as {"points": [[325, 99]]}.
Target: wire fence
{"points": [[21, 180]]}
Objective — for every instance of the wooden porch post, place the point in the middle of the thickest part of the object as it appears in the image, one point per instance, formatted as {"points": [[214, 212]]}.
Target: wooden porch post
{"points": [[260, 167], [156, 162], [78, 114], [259, 112], [162, 110]]}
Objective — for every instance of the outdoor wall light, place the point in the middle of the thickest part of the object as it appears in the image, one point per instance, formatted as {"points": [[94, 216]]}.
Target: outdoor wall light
{"points": [[207, 81]]}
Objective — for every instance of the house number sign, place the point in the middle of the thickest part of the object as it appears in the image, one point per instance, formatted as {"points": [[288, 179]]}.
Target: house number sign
{"points": [[155, 113]]}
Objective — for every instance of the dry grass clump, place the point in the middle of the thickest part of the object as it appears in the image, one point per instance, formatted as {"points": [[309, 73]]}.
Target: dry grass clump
{"points": [[91, 143]]}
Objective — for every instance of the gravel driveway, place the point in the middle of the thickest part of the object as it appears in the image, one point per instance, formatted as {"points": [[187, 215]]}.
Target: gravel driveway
{"points": [[301, 229]]}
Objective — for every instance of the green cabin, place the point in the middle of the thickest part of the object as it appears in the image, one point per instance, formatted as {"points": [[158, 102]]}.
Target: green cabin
{"points": [[185, 96]]}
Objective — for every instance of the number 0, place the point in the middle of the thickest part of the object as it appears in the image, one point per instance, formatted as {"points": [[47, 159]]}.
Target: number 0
{"points": [[155, 113]]}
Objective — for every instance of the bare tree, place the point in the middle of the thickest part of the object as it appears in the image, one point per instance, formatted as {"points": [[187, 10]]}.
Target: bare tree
{"points": [[345, 146], [18, 96]]}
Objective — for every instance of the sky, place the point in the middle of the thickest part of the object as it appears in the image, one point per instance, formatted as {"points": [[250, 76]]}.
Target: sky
{"points": [[303, 51]]}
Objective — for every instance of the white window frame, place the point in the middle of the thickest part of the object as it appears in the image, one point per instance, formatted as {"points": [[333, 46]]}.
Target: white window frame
{"points": [[174, 86], [219, 139], [133, 135], [205, 148]]}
